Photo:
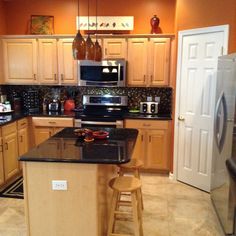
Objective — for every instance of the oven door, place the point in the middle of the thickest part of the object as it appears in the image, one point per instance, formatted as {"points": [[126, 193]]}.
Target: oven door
{"points": [[110, 124]]}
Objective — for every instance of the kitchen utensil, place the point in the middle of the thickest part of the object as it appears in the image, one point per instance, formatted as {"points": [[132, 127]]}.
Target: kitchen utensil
{"points": [[100, 134]]}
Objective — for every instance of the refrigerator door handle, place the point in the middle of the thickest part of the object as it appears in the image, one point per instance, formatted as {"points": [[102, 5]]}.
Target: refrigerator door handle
{"points": [[220, 125]]}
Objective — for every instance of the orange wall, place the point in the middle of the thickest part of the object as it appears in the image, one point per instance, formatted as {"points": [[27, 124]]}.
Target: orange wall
{"points": [[2, 18], [65, 11], [202, 13]]}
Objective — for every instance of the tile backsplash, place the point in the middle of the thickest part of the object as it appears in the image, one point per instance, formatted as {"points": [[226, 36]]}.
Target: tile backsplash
{"points": [[135, 94]]}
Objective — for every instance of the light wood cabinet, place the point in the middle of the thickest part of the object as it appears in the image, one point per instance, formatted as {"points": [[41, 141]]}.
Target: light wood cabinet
{"points": [[67, 66], [137, 61], [2, 178], [56, 63], [148, 61], [47, 61], [20, 61], [114, 48], [23, 137], [153, 143], [10, 150], [45, 127]]}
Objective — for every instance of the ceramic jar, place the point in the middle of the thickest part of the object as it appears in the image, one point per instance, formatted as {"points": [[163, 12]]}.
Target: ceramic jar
{"points": [[154, 24]]}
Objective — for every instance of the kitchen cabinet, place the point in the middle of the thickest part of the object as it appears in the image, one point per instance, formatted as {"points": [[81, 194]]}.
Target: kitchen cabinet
{"points": [[56, 63], [20, 61], [153, 143], [23, 137], [115, 48], [2, 178], [149, 61], [10, 150], [45, 127]]}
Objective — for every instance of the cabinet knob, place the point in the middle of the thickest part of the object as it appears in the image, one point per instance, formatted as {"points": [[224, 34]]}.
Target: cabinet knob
{"points": [[34, 76], [55, 76], [105, 51], [1, 148], [62, 77], [6, 146]]}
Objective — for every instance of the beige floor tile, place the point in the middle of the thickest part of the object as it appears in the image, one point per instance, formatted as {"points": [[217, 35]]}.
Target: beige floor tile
{"points": [[170, 209]]}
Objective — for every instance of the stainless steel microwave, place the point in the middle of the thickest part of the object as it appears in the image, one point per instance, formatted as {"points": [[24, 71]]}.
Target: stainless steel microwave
{"points": [[107, 73]]}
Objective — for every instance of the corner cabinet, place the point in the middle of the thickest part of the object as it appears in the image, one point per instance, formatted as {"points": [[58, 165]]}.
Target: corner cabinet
{"points": [[149, 61], [20, 61], [153, 143]]}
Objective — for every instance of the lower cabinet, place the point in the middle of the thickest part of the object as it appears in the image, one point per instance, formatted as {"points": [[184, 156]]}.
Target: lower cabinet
{"points": [[10, 150], [45, 127], [153, 143], [2, 179]]}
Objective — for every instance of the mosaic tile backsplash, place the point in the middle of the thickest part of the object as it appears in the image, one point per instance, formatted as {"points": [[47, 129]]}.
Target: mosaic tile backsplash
{"points": [[135, 94]]}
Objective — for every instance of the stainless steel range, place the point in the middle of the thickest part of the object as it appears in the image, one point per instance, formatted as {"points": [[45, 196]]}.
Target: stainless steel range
{"points": [[102, 110]]}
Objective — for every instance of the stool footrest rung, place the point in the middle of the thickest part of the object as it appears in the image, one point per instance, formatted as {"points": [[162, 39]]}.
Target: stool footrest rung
{"points": [[123, 213], [124, 219], [124, 203], [120, 234]]}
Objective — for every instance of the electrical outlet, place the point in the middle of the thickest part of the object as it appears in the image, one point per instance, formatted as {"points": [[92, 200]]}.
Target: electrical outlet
{"points": [[59, 185]]}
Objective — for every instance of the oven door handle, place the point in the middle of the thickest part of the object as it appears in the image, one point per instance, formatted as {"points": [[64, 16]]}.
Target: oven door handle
{"points": [[97, 123]]}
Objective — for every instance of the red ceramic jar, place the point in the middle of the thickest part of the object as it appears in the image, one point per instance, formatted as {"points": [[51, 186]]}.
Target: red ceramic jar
{"points": [[69, 105]]}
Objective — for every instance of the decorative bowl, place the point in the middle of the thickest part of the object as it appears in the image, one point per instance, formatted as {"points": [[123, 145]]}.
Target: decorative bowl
{"points": [[100, 134]]}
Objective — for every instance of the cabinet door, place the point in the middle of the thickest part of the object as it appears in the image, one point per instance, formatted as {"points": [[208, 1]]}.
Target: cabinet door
{"points": [[160, 61], [48, 61], [114, 48], [139, 148], [20, 61], [41, 134], [57, 129], [158, 147], [67, 65], [23, 141], [137, 61], [10, 152], [2, 179]]}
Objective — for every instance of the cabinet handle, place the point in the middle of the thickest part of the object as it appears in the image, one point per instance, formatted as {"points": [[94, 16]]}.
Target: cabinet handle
{"points": [[144, 78], [146, 125], [50, 133], [21, 138], [1, 148], [105, 51], [151, 78], [150, 138], [23, 124], [62, 77], [6, 146], [51, 122], [34, 76], [55, 76], [142, 137]]}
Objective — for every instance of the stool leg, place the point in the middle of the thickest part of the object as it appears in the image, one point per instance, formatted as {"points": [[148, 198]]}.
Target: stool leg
{"points": [[137, 175], [111, 223], [139, 197], [135, 214]]}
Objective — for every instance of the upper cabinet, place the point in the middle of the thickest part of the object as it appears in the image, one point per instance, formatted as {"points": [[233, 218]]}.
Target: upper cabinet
{"points": [[48, 60], [39, 61], [148, 61], [114, 48], [20, 61]]}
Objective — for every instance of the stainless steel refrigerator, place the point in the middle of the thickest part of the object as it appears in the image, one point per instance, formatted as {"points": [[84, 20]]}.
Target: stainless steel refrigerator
{"points": [[221, 186]]}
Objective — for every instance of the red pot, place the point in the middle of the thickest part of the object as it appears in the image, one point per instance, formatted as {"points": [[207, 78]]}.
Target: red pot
{"points": [[69, 105]]}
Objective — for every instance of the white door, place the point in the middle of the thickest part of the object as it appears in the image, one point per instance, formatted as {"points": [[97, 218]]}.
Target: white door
{"points": [[198, 52]]}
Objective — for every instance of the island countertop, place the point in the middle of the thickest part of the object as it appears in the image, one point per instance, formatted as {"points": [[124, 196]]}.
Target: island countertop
{"points": [[66, 147]]}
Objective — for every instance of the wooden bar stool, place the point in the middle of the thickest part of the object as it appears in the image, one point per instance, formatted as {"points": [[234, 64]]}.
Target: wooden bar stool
{"points": [[125, 184], [132, 167]]}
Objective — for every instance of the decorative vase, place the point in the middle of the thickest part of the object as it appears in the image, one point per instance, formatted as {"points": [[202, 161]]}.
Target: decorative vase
{"points": [[154, 24], [69, 105]]}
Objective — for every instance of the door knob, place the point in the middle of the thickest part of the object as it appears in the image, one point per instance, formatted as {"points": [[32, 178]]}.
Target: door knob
{"points": [[181, 118]]}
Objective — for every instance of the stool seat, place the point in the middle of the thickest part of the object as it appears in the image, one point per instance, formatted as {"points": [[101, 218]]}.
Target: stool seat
{"points": [[125, 184], [133, 164]]}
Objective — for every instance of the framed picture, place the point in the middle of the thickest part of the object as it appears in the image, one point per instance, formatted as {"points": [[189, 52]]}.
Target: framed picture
{"points": [[42, 24]]}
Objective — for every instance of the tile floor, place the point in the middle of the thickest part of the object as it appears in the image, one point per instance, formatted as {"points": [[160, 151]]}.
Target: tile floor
{"points": [[171, 209]]}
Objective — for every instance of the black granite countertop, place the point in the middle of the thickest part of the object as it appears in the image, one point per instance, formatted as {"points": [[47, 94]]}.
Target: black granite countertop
{"points": [[66, 147], [6, 118]]}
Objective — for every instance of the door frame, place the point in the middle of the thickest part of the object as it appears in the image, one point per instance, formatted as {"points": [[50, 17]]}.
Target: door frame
{"points": [[181, 35]]}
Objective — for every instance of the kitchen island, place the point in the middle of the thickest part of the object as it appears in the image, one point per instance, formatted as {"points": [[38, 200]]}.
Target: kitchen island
{"points": [[78, 204]]}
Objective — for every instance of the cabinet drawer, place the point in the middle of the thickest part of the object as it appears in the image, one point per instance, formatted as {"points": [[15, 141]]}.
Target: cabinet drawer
{"points": [[147, 124], [22, 123], [52, 122], [7, 129]]}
